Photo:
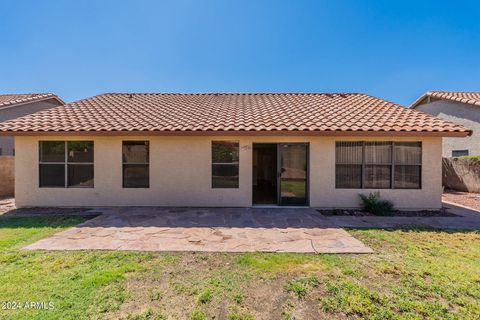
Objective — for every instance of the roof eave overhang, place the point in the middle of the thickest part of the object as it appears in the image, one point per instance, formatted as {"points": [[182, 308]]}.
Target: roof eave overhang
{"points": [[417, 102], [13, 105], [242, 133]]}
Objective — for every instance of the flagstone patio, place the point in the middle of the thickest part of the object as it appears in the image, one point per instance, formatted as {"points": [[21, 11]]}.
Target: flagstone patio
{"points": [[209, 229]]}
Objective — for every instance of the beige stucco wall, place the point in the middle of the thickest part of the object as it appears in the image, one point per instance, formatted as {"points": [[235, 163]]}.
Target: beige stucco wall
{"points": [[12, 112], [460, 113], [180, 174]]}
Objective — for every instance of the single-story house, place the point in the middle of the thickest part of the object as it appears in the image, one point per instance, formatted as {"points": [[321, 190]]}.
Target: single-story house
{"points": [[17, 105], [459, 107], [232, 150]]}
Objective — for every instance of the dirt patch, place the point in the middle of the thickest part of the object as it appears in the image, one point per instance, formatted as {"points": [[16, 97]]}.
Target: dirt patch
{"points": [[468, 199], [8, 208], [179, 289], [397, 213]]}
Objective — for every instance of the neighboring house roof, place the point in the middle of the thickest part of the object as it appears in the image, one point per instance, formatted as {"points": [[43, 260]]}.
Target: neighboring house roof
{"points": [[10, 100], [458, 96], [224, 113]]}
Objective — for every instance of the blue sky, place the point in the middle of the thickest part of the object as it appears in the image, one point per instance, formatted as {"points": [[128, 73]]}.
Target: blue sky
{"points": [[395, 50]]}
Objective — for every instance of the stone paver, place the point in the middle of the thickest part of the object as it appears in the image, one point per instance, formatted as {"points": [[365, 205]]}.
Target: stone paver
{"points": [[212, 229], [236, 229]]}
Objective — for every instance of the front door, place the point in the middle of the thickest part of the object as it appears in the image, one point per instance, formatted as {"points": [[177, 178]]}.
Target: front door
{"points": [[280, 173]]}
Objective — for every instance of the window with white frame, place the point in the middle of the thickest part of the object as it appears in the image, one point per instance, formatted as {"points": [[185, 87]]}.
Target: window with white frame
{"points": [[378, 165], [66, 164]]}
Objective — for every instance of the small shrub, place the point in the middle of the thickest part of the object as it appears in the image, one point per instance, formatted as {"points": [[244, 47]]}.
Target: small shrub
{"points": [[302, 286], [472, 158], [197, 315], [235, 314], [238, 298], [206, 296], [373, 204]]}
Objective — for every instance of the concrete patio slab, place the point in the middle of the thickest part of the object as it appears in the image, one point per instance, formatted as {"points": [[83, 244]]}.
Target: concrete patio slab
{"points": [[210, 230]]}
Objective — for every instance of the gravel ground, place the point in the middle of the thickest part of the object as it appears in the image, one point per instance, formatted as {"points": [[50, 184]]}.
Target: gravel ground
{"points": [[471, 200], [6, 204], [398, 213], [7, 208]]}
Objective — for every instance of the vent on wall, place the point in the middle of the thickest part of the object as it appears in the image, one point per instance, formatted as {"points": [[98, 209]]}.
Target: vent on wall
{"points": [[459, 153]]}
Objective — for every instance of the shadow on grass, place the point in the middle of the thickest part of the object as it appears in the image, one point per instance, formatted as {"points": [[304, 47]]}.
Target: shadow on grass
{"points": [[48, 211], [54, 221]]}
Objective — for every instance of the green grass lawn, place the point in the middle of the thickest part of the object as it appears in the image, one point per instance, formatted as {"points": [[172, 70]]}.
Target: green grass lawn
{"points": [[414, 274]]}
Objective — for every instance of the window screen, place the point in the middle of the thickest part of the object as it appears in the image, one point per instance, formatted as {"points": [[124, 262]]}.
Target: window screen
{"points": [[225, 164], [349, 159], [408, 165], [378, 164], [136, 164]]}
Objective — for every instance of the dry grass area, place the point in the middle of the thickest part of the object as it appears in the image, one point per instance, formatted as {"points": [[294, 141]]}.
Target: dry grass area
{"points": [[414, 274]]}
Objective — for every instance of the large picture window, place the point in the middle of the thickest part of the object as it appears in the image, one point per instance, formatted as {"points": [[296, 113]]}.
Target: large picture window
{"points": [[66, 164], [225, 164], [136, 164], [378, 165]]}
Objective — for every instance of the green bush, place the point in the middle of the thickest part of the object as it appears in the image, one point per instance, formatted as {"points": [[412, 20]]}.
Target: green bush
{"points": [[472, 158], [206, 296], [373, 204], [302, 286]]}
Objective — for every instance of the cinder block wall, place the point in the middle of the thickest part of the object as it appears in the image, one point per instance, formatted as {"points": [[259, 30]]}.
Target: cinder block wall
{"points": [[7, 176]]}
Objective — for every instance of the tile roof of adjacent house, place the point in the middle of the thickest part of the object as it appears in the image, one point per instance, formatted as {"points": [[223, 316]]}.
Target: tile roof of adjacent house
{"points": [[458, 96], [10, 100], [227, 113]]}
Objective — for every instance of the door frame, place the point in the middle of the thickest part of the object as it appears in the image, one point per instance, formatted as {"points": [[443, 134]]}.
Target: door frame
{"points": [[278, 174]]}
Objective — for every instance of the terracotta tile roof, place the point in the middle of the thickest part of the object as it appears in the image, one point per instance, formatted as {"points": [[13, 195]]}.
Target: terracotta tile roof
{"points": [[8, 100], [231, 112], [458, 96]]}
